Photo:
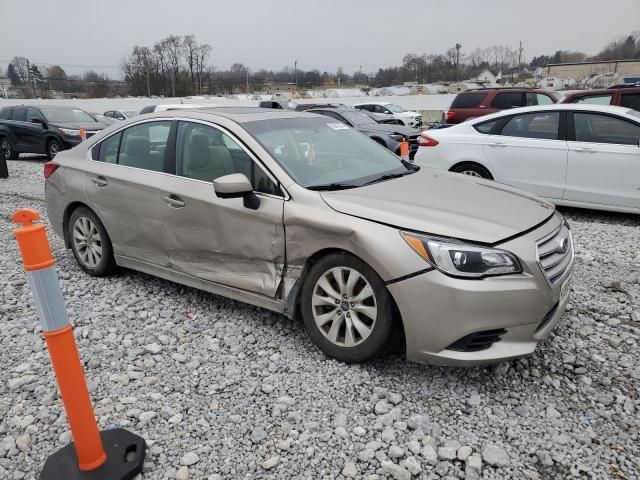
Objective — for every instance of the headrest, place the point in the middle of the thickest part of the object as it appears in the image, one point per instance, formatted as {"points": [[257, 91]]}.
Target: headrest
{"points": [[198, 151], [137, 146]]}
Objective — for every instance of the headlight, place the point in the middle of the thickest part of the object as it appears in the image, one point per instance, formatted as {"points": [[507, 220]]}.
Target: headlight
{"points": [[396, 137], [461, 259], [74, 133]]}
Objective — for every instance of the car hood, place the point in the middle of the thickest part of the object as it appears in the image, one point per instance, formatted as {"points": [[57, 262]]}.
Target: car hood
{"points": [[386, 128], [408, 113], [445, 204], [77, 125]]}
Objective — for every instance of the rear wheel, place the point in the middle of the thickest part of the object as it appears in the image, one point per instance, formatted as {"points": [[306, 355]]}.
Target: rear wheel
{"points": [[53, 147], [473, 170], [346, 308], [90, 243]]}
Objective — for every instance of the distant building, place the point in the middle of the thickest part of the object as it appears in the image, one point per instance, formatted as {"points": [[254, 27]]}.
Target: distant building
{"points": [[584, 70]]}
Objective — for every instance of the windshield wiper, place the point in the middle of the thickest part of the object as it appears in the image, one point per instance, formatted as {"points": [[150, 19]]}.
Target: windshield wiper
{"points": [[389, 176], [332, 186]]}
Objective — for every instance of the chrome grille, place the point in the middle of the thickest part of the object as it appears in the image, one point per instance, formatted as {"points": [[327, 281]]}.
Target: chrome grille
{"points": [[556, 254]]}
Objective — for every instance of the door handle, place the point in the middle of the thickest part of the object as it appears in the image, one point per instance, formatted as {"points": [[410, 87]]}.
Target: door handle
{"points": [[497, 144], [584, 149], [100, 181], [174, 201]]}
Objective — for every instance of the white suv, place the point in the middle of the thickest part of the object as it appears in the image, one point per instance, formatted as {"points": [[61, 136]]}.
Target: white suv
{"points": [[408, 117]]}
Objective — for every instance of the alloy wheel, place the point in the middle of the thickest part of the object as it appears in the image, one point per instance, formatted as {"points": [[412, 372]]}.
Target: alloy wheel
{"points": [[87, 241], [54, 148], [5, 149], [471, 173], [344, 306]]}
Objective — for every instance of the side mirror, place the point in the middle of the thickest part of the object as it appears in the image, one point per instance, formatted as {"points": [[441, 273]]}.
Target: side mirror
{"points": [[39, 121], [236, 185]]}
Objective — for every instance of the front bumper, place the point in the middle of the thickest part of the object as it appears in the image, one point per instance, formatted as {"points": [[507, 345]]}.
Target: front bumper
{"points": [[438, 310]]}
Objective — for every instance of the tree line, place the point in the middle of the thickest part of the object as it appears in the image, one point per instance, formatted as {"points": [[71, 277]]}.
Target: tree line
{"points": [[181, 66]]}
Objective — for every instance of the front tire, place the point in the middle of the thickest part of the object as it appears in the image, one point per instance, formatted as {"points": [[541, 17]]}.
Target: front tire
{"points": [[7, 149], [90, 243], [53, 147], [346, 308], [473, 170]]}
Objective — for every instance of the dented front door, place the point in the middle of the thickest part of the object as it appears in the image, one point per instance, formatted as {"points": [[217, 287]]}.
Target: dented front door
{"points": [[222, 241]]}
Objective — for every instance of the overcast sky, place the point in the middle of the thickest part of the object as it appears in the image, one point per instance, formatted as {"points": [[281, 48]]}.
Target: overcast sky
{"points": [[324, 34]]}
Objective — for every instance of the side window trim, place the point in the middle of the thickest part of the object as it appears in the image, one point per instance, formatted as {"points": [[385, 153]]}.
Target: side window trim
{"points": [[254, 158]]}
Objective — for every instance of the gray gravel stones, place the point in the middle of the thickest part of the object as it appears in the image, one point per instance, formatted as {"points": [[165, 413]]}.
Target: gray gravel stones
{"points": [[495, 456], [244, 391]]}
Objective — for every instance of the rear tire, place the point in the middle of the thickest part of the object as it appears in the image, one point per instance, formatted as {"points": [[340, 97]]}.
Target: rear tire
{"points": [[473, 170], [53, 148], [90, 243], [346, 308]]}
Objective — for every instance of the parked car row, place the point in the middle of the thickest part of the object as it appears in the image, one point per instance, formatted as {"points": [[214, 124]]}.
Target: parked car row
{"points": [[302, 214]]}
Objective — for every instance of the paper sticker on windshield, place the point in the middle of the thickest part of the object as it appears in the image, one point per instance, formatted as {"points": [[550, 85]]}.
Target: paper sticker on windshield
{"points": [[338, 126]]}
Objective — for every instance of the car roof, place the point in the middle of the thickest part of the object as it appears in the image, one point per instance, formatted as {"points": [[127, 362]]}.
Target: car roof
{"points": [[372, 103], [335, 109], [235, 114], [554, 107]]}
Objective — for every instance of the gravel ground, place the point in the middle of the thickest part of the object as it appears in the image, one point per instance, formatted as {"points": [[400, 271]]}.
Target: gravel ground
{"points": [[220, 389]]}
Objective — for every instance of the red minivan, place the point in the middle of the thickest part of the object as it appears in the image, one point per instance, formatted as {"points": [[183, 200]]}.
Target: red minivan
{"points": [[482, 101]]}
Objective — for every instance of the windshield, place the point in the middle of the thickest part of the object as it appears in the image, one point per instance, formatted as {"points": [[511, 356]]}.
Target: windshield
{"points": [[66, 115], [357, 118], [395, 108], [321, 152]]}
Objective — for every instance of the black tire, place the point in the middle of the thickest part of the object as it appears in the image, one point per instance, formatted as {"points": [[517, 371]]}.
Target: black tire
{"points": [[53, 148], [106, 263], [7, 149], [381, 327], [473, 170]]}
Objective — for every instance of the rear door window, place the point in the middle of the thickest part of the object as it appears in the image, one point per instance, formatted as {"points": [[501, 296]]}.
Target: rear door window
{"points": [[145, 145], [595, 128], [631, 100], [604, 99], [468, 100], [19, 114], [5, 114], [543, 125], [506, 100]]}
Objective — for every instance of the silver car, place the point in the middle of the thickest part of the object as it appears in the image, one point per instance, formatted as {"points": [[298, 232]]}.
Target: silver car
{"points": [[301, 214]]}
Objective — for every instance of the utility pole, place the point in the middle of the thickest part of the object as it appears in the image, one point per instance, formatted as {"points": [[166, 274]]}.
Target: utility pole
{"points": [[295, 72], [520, 60], [247, 70], [458, 47], [148, 86]]}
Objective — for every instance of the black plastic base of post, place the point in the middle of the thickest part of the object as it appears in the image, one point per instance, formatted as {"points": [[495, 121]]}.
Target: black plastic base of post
{"points": [[125, 457]]}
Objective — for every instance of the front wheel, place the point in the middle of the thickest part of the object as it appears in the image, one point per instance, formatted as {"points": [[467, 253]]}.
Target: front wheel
{"points": [[7, 150], [346, 308], [53, 147]]}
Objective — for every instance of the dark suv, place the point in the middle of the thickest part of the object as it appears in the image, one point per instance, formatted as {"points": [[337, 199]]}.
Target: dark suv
{"points": [[44, 129], [621, 95], [482, 101]]}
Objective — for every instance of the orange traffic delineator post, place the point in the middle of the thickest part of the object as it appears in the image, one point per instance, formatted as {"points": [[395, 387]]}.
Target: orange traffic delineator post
{"points": [[404, 150], [108, 455]]}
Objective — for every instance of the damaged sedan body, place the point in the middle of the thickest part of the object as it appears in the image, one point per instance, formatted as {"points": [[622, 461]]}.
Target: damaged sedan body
{"points": [[305, 216]]}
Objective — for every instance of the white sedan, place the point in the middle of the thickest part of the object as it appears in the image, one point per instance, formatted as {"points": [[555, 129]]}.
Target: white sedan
{"points": [[572, 154]]}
